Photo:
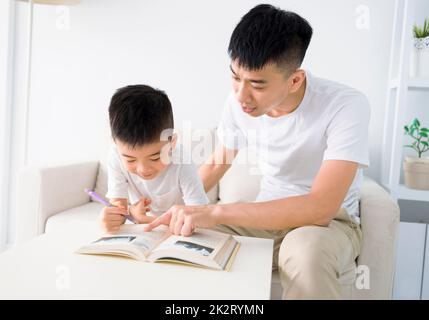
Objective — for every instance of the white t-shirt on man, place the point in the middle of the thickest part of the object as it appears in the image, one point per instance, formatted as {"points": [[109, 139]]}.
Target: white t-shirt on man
{"points": [[177, 184], [331, 123]]}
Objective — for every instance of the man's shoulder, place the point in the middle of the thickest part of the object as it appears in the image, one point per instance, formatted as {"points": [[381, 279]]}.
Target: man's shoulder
{"points": [[334, 89], [336, 95]]}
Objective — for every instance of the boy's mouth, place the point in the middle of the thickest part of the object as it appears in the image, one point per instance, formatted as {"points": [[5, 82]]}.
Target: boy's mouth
{"points": [[147, 176], [248, 109]]}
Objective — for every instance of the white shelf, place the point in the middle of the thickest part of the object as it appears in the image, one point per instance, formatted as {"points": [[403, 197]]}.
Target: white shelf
{"points": [[413, 83], [399, 86], [406, 193]]}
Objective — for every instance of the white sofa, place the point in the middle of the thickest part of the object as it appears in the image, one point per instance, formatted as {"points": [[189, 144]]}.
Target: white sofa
{"points": [[52, 198]]}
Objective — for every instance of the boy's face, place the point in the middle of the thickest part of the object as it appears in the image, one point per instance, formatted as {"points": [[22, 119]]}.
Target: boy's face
{"points": [[265, 91], [146, 161]]}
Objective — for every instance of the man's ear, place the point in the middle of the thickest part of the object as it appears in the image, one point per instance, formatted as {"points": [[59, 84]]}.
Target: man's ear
{"points": [[296, 80]]}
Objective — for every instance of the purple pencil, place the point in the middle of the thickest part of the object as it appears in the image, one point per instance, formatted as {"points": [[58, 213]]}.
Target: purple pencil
{"points": [[97, 198]]}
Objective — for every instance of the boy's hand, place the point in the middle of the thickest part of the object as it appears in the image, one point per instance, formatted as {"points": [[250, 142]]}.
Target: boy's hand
{"points": [[113, 217], [139, 209]]}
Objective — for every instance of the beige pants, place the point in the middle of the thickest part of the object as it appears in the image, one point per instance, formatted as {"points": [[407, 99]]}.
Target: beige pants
{"points": [[311, 259]]}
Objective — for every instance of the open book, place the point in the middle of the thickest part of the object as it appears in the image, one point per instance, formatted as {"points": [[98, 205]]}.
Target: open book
{"points": [[204, 248]]}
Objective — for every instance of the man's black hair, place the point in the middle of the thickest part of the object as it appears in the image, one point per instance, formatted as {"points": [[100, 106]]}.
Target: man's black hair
{"points": [[139, 114], [267, 34]]}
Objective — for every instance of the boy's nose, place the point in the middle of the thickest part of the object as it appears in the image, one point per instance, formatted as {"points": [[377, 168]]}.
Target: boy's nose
{"points": [[142, 170]]}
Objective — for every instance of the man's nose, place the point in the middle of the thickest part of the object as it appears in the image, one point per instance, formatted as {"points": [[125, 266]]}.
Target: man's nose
{"points": [[243, 94]]}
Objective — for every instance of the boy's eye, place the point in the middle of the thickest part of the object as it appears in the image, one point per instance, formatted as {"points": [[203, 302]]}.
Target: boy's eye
{"points": [[155, 159], [131, 161]]}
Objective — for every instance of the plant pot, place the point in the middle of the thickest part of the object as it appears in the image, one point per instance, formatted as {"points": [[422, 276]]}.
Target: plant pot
{"points": [[416, 173], [416, 160], [419, 67]]}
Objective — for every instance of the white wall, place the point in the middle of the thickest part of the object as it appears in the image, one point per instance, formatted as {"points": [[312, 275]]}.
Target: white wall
{"points": [[180, 47]]}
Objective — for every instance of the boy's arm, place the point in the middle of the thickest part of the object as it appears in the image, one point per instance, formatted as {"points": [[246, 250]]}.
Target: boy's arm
{"points": [[112, 218], [117, 184], [119, 202], [215, 167], [191, 186]]}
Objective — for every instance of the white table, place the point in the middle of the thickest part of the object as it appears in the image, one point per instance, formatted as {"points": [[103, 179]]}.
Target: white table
{"points": [[47, 268]]}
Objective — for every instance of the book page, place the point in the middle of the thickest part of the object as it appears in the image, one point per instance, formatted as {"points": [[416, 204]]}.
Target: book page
{"points": [[134, 234], [203, 242], [205, 248]]}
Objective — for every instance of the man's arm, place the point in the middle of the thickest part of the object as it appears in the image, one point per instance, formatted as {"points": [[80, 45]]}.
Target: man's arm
{"points": [[215, 167], [318, 207]]}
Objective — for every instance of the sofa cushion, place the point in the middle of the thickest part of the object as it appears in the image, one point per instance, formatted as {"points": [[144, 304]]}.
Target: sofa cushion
{"points": [[85, 216], [379, 223], [242, 181]]}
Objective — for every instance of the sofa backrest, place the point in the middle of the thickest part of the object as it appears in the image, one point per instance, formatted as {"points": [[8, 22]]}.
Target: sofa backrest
{"points": [[241, 182]]}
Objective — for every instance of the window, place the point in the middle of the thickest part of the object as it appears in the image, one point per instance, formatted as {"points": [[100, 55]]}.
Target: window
{"points": [[6, 65]]}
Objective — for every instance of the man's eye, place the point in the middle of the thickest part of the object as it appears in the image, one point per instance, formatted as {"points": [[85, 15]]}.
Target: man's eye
{"points": [[235, 78], [155, 159], [131, 161], [259, 88]]}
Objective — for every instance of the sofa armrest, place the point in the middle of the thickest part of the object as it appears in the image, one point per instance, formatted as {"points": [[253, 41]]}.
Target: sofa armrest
{"points": [[45, 191], [380, 224]]}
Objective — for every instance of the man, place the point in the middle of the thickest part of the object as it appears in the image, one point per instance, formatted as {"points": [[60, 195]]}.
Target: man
{"points": [[313, 142]]}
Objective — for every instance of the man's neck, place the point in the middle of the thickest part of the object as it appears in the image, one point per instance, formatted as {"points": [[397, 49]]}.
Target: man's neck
{"points": [[292, 102]]}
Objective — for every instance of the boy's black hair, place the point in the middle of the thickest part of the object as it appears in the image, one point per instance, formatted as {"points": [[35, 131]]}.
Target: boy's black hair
{"points": [[267, 34], [139, 114]]}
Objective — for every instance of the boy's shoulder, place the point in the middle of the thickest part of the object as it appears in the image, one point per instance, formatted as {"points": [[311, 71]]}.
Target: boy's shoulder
{"points": [[113, 156], [182, 157]]}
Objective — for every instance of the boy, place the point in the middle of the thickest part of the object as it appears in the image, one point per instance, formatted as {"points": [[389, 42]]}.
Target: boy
{"points": [[144, 168]]}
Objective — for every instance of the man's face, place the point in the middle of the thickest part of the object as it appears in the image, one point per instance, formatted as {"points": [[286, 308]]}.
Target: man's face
{"points": [[146, 161], [260, 92]]}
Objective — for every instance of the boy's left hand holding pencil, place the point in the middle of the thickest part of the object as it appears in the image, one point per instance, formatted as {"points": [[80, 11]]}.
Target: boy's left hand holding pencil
{"points": [[117, 211], [114, 216]]}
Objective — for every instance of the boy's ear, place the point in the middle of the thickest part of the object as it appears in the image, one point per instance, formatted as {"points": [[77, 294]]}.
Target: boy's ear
{"points": [[173, 140]]}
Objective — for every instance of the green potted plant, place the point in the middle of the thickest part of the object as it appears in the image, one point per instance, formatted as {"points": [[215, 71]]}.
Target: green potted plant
{"points": [[420, 54], [416, 169]]}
